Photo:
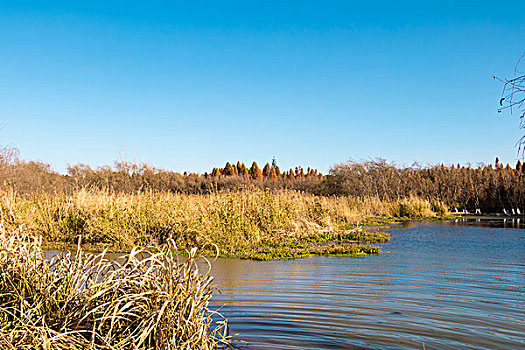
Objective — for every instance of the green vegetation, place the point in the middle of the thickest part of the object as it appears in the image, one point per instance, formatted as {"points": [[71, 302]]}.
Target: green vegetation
{"points": [[241, 224], [145, 300], [300, 251]]}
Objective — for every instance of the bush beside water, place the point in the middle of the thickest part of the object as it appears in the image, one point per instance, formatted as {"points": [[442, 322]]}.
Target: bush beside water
{"points": [[146, 300]]}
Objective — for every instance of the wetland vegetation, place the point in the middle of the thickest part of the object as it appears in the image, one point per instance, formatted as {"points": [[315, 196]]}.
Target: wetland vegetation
{"points": [[243, 211], [247, 224], [79, 299], [145, 300]]}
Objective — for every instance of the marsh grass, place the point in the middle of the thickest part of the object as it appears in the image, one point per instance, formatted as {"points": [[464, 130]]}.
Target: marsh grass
{"points": [[239, 223], [145, 300]]}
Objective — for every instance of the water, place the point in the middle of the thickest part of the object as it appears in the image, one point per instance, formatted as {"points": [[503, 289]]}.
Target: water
{"points": [[436, 286]]}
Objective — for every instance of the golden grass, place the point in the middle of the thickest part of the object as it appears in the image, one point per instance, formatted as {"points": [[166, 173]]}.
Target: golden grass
{"points": [[237, 222], [146, 300]]}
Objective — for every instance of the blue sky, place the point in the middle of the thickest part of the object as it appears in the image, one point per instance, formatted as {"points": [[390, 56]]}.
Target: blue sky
{"points": [[190, 86]]}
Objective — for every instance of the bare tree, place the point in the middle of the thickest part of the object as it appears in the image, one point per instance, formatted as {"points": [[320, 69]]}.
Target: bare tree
{"points": [[513, 98]]}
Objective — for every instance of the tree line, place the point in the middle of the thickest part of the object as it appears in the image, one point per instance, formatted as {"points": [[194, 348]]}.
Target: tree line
{"points": [[485, 187], [490, 188]]}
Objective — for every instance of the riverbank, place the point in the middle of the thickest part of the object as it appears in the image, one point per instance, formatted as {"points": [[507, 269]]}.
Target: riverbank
{"points": [[250, 224]]}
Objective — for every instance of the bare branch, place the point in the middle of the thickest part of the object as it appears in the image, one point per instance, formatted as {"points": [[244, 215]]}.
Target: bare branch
{"points": [[513, 98]]}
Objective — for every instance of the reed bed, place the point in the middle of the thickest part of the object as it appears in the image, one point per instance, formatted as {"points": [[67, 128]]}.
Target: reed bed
{"points": [[146, 300], [239, 223]]}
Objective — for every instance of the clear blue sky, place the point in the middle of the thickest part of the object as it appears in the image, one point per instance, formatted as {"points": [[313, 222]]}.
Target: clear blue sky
{"points": [[190, 85]]}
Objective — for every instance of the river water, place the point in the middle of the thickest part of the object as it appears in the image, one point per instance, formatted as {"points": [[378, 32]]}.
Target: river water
{"points": [[436, 286]]}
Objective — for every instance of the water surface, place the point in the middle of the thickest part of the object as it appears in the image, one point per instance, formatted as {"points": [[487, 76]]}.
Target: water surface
{"points": [[437, 286]]}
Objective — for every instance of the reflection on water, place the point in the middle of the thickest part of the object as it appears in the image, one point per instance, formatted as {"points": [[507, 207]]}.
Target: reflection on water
{"points": [[492, 221], [438, 285]]}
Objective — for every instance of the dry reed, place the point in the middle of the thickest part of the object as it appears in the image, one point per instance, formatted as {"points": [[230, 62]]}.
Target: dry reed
{"points": [[146, 300], [237, 222]]}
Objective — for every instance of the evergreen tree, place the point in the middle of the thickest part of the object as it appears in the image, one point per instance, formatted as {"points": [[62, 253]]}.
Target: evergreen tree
{"points": [[266, 170], [255, 172], [273, 174], [290, 175], [228, 169], [245, 173], [239, 168]]}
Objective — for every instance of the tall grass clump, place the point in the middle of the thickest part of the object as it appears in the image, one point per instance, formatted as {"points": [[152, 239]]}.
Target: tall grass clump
{"points": [[146, 300], [412, 207]]}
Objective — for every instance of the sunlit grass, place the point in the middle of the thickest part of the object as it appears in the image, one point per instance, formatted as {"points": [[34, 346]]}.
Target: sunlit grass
{"points": [[239, 223], [145, 300]]}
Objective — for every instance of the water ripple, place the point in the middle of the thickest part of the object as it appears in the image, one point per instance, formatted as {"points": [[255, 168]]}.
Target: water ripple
{"points": [[440, 287]]}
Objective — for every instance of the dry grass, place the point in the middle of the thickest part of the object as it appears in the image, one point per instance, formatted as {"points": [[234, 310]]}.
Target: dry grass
{"points": [[146, 300], [234, 221]]}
